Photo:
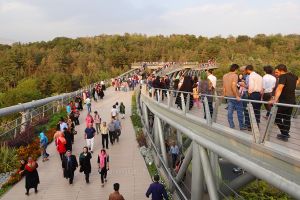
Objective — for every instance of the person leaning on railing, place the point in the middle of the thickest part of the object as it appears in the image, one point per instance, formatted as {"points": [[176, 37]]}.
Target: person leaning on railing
{"points": [[285, 93]]}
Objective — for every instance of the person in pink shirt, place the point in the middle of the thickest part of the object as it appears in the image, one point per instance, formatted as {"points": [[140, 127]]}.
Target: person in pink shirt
{"points": [[89, 120]]}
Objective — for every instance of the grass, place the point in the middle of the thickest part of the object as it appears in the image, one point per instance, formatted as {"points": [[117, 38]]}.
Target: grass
{"points": [[4, 190]]}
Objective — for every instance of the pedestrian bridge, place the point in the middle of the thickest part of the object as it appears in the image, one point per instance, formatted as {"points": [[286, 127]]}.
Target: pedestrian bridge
{"points": [[258, 152], [205, 143]]}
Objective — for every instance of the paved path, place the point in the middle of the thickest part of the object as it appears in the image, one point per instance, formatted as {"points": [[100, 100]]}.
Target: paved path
{"points": [[127, 166]]}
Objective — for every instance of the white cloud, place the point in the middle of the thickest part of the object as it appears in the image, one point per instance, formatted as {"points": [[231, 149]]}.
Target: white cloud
{"points": [[236, 18], [32, 20]]}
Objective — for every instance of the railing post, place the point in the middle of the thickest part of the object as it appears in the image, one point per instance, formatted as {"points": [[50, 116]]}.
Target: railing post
{"points": [[207, 112], [169, 98], [216, 109], [183, 103], [254, 126], [270, 123], [187, 105], [43, 114], [16, 130]]}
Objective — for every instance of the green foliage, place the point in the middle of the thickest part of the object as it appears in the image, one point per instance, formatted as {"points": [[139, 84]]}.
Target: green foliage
{"points": [[135, 118], [65, 64], [262, 190], [8, 159], [54, 119], [26, 90]]}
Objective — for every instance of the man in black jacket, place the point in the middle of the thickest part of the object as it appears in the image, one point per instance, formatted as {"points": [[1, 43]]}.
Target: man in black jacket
{"points": [[69, 165]]}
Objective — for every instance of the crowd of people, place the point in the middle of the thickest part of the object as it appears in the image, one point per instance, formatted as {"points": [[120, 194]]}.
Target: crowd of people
{"points": [[64, 139], [240, 84]]}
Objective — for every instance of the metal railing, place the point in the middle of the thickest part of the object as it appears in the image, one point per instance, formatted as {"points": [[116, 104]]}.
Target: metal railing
{"points": [[214, 136], [32, 111], [261, 133]]}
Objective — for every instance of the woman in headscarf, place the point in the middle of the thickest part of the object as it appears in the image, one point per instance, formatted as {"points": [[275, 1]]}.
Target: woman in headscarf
{"points": [[186, 87], [43, 145], [61, 145], [32, 177], [89, 120], [85, 163], [205, 88], [103, 161]]}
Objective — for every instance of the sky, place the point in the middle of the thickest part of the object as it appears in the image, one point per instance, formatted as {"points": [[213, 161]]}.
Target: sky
{"points": [[37, 20]]}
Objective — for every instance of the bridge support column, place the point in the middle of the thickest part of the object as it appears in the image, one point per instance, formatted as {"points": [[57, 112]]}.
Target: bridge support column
{"points": [[237, 183], [162, 141], [156, 140], [216, 170], [185, 164], [208, 175], [179, 139], [197, 174]]}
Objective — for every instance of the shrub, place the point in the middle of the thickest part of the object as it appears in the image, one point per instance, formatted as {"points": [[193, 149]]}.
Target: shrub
{"points": [[32, 149], [54, 119], [8, 159], [141, 139], [22, 139]]}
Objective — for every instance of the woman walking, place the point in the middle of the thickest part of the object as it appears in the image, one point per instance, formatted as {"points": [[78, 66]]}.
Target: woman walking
{"points": [[85, 163], [43, 145], [122, 110], [103, 160], [32, 177], [61, 145], [89, 120], [104, 134]]}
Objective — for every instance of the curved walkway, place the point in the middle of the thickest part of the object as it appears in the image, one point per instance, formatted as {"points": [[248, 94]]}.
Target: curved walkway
{"points": [[127, 166]]}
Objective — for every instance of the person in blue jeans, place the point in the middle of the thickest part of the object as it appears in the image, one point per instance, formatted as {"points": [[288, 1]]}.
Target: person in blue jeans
{"points": [[234, 104], [157, 190], [230, 90]]}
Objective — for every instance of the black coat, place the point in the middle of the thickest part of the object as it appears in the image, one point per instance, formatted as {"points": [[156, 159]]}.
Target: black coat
{"points": [[69, 140], [32, 179], [71, 168], [85, 163]]}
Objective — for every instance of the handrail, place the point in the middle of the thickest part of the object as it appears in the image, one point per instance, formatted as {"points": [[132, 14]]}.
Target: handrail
{"points": [[29, 105], [231, 98]]}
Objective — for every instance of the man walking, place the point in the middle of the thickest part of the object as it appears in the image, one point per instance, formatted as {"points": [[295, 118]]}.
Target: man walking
{"points": [[118, 128], [69, 165], [89, 136], [157, 190], [111, 131], [116, 195]]}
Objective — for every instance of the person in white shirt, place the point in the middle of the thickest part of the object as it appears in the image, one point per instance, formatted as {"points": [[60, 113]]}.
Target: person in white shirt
{"points": [[212, 78], [114, 111], [269, 82], [254, 90], [88, 104]]}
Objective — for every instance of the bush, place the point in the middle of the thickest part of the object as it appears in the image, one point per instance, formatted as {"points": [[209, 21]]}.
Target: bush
{"points": [[262, 190], [54, 119], [8, 159], [24, 138], [141, 139]]}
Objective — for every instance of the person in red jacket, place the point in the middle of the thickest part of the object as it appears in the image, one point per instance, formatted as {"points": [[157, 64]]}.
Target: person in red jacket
{"points": [[61, 145]]}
